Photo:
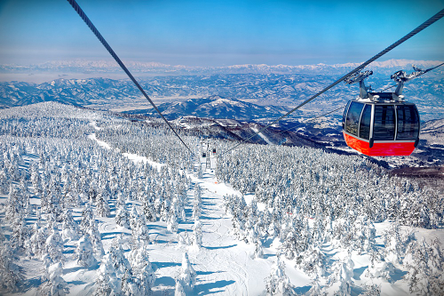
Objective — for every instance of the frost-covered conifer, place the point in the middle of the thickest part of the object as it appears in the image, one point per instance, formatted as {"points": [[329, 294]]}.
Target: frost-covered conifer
{"points": [[54, 247], [197, 204], [20, 234], [70, 228], [87, 216], [143, 273], [277, 283], [122, 216], [290, 245], [85, 252], [37, 241], [372, 290], [172, 224], [165, 210], [129, 286], [187, 276], [121, 264], [312, 261], [141, 232], [15, 208], [258, 249], [55, 285], [5, 182], [149, 211], [178, 289], [102, 207], [343, 274], [107, 282], [197, 234], [10, 273], [134, 218], [96, 239], [316, 289]]}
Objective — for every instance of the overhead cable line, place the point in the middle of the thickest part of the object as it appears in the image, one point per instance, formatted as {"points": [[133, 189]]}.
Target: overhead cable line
{"points": [[124, 68], [421, 27], [312, 118]]}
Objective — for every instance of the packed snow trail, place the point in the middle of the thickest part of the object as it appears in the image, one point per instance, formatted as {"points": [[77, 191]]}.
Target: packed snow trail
{"points": [[224, 259]]}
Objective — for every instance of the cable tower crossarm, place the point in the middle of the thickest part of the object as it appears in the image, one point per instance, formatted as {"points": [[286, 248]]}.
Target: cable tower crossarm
{"points": [[418, 29], [422, 72], [99, 36]]}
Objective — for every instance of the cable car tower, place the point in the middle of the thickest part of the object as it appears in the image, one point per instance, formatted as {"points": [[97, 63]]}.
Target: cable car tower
{"points": [[382, 123], [208, 154]]}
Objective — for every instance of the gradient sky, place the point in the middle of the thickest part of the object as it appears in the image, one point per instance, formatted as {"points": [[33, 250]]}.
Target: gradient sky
{"points": [[218, 33]]}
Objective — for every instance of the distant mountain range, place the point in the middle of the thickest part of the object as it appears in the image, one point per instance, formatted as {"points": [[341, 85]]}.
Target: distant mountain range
{"points": [[278, 92], [109, 66]]}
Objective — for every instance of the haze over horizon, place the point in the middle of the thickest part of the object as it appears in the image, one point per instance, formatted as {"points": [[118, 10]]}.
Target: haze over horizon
{"points": [[218, 33]]}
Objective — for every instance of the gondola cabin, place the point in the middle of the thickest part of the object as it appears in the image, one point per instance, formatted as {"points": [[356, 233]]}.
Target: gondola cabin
{"points": [[381, 128], [381, 124]]}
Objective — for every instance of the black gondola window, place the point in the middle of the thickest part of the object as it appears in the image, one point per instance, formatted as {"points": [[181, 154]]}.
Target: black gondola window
{"points": [[345, 114], [352, 121], [384, 124], [408, 122], [364, 128]]}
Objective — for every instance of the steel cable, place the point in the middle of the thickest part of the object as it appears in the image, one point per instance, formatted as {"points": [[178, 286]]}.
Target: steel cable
{"points": [[99, 36]]}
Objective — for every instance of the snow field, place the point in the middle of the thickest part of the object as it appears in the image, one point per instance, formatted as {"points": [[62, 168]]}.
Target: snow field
{"points": [[225, 262]]}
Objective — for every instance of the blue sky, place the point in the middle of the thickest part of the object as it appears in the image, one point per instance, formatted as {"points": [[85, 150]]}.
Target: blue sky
{"points": [[218, 33]]}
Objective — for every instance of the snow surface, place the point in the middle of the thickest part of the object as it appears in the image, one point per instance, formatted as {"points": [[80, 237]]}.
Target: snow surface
{"points": [[224, 265]]}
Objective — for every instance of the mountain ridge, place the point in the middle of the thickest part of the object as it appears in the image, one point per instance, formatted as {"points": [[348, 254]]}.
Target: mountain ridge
{"points": [[109, 66]]}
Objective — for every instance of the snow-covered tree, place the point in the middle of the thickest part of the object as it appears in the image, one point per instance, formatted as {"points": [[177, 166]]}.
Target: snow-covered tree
{"points": [[54, 247], [107, 282], [143, 272], [277, 283], [178, 289], [197, 234], [102, 207], [10, 273], [85, 252], [172, 224], [96, 239], [149, 211], [140, 231], [187, 277], [55, 284], [87, 217], [122, 216], [70, 228], [343, 274]]}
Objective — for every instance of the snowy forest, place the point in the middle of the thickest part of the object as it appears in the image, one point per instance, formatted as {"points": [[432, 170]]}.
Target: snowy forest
{"points": [[92, 203]]}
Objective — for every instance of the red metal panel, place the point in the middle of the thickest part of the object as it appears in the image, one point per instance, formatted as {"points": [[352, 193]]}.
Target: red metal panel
{"points": [[380, 149]]}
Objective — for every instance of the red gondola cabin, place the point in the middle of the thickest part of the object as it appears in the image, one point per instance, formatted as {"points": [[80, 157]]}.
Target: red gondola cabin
{"points": [[381, 124]]}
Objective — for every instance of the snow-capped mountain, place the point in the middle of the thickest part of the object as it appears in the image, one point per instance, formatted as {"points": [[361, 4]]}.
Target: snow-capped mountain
{"points": [[109, 66]]}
